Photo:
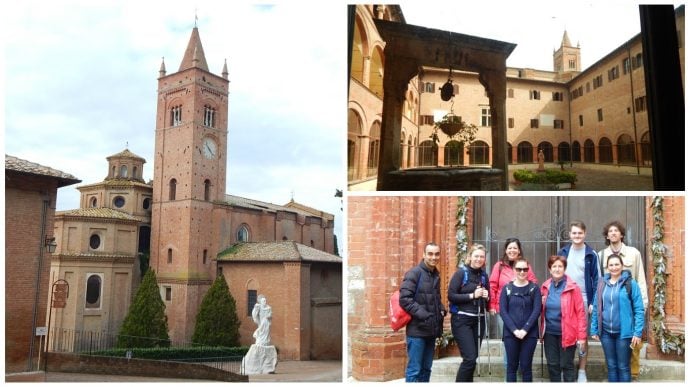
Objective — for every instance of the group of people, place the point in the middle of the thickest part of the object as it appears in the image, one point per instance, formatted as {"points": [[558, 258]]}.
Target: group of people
{"points": [[601, 295]]}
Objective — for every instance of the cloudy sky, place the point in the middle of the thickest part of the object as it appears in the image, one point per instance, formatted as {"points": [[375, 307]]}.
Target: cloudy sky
{"points": [[81, 81], [536, 26]]}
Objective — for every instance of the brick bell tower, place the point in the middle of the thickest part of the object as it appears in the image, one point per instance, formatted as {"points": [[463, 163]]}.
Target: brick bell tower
{"points": [[189, 175]]}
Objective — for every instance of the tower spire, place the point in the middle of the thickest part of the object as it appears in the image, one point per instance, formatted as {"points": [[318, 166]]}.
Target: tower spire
{"points": [[225, 69], [194, 54], [161, 71]]}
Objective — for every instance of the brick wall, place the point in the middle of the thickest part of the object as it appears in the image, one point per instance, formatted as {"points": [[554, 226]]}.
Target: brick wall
{"points": [[63, 362], [24, 203]]}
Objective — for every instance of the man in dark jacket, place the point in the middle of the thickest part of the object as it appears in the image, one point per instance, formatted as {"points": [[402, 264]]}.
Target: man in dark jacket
{"points": [[420, 296]]}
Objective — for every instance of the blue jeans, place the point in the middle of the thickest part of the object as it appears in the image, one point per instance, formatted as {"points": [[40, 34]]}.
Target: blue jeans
{"points": [[617, 353], [420, 355]]}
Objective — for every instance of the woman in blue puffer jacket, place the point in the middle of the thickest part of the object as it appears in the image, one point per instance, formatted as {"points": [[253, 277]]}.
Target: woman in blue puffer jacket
{"points": [[617, 318]]}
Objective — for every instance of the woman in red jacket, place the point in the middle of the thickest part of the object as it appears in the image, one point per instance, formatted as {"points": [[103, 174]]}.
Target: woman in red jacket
{"points": [[503, 272], [564, 323]]}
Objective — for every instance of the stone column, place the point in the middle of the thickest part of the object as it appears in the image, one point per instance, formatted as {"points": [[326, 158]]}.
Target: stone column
{"points": [[363, 157], [495, 83], [397, 74], [366, 69]]}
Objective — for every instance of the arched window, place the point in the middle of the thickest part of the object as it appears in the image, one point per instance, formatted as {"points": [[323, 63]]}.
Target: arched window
{"points": [[134, 172], [123, 171], [626, 149], [374, 147], [243, 233], [479, 153], [93, 203], [589, 151], [209, 116], [173, 189], [576, 151], [176, 115], [93, 291], [563, 152], [605, 151], [452, 153], [548, 151], [525, 152], [147, 203], [112, 173], [95, 241], [170, 256], [646, 149], [428, 153], [207, 189]]}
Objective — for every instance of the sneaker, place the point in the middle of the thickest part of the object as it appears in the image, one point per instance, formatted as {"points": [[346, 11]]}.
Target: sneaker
{"points": [[581, 376]]}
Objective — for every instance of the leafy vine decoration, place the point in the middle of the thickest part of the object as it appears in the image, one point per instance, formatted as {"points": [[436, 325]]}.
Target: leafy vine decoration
{"points": [[666, 340], [461, 227]]}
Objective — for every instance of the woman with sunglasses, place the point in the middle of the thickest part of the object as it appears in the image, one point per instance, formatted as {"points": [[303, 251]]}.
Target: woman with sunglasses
{"points": [[563, 320], [520, 306], [617, 318]]}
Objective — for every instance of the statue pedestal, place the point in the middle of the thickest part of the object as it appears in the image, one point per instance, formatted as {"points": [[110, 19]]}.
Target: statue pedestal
{"points": [[260, 360]]}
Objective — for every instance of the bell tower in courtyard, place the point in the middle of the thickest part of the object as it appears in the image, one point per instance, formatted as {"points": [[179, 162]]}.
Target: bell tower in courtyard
{"points": [[566, 60], [190, 161]]}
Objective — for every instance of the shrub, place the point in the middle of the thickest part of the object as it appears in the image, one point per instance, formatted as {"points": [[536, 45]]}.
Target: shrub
{"points": [[217, 322], [551, 176], [145, 324]]}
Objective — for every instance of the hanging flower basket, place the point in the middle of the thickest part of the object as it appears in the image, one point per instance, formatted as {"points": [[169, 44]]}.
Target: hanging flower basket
{"points": [[455, 128], [450, 124]]}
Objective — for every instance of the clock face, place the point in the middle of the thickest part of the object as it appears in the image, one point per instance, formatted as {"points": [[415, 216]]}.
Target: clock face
{"points": [[209, 148]]}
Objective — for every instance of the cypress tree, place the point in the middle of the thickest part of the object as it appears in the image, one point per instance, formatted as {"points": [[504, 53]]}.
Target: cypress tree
{"points": [[217, 323], [146, 325]]}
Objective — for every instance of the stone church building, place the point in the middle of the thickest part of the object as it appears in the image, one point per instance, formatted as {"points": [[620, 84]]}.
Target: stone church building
{"points": [[180, 223]]}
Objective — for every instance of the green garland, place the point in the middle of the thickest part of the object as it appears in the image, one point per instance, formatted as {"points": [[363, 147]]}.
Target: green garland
{"points": [[666, 340], [461, 226]]}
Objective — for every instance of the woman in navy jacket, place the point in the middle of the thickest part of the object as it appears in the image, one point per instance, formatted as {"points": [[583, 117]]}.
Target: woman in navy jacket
{"points": [[520, 307]]}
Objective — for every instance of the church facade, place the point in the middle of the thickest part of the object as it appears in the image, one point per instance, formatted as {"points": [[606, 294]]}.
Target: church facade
{"points": [[179, 222]]}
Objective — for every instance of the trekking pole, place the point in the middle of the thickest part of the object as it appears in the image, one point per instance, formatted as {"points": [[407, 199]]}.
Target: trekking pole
{"points": [[488, 342], [479, 338]]}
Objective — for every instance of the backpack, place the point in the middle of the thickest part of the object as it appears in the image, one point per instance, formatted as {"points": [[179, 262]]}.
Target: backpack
{"points": [[399, 316], [509, 288], [465, 277]]}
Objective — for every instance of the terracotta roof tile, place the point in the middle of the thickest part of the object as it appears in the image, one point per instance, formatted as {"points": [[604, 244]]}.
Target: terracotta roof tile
{"points": [[23, 166], [101, 213], [283, 251]]}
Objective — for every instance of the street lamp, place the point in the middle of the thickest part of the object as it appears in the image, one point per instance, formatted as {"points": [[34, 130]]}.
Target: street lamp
{"points": [[50, 244]]}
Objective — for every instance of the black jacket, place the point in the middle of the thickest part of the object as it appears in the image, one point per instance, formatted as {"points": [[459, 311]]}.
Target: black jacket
{"points": [[459, 293], [426, 308]]}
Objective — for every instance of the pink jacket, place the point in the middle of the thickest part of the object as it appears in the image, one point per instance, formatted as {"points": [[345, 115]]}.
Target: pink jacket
{"points": [[501, 274], [573, 317]]}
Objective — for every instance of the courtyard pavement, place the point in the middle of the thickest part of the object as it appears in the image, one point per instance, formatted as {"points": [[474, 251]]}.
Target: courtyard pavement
{"points": [[286, 371], [589, 178]]}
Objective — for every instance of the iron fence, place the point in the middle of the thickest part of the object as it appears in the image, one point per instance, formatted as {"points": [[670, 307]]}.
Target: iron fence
{"points": [[102, 343]]}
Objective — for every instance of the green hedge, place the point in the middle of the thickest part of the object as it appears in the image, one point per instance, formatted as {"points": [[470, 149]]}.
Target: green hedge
{"points": [[175, 353], [550, 176]]}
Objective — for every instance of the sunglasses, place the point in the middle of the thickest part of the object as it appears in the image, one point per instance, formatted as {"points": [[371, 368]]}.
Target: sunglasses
{"points": [[522, 269]]}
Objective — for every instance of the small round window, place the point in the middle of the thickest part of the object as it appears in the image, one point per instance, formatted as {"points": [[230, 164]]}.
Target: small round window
{"points": [[119, 201], [147, 203], [95, 241]]}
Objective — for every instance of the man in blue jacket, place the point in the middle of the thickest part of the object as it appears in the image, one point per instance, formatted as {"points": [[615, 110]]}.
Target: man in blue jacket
{"points": [[583, 268], [420, 296]]}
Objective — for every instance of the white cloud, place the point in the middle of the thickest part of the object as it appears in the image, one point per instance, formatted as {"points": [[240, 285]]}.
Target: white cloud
{"points": [[81, 81]]}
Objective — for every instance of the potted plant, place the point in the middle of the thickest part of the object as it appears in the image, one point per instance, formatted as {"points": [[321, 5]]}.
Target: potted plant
{"points": [[455, 128], [443, 343]]}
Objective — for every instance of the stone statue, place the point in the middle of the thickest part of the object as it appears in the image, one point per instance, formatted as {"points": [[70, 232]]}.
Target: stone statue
{"points": [[262, 357], [540, 157], [262, 314]]}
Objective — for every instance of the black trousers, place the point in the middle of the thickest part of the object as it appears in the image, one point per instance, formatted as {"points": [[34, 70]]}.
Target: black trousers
{"points": [[559, 360], [467, 331]]}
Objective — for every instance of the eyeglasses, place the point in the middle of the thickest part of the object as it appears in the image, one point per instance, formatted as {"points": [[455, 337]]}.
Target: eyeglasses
{"points": [[522, 269]]}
